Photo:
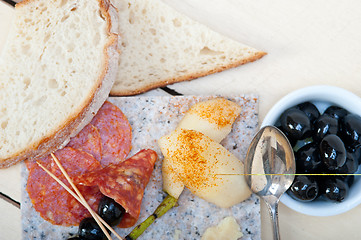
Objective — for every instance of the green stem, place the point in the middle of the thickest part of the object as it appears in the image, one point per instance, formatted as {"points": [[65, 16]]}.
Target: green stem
{"points": [[167, 203]]}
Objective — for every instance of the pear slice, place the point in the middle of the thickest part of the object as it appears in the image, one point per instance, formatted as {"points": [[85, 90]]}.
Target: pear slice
{"points": [[214, 118], [205, 167]]}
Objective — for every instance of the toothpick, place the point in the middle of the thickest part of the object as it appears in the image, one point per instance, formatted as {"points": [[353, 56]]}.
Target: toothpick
{"points": [[80, 198]]}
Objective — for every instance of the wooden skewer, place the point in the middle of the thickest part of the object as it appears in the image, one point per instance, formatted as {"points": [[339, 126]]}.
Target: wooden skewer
{"points": [[80, 198]]}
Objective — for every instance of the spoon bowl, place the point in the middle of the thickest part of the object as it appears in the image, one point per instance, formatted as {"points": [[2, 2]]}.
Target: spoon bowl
{"points": [[270, 168]]}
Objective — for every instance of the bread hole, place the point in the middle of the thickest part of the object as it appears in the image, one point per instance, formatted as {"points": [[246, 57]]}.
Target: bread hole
{"points": [[144, 11], [17, 133], [71, 47], [40, 100], [26, 82], [153, 31], [162, 60], [156, 40], [131, 17], [53, 83], [73, 9], [177, 22], [162, 19], [208, 51], [70, 60], [62, 93], [47, 37], [43, 10], [27, 20], [4, 110], [77, 35], [64, 18], [29, 97], [63, 2], [25, 49], [4, 124]]}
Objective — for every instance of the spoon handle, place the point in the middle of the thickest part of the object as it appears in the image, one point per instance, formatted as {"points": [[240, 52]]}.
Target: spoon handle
{"points": [[273, 210]]}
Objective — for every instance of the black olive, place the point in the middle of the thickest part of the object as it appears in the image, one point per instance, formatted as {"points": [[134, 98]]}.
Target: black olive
{"points": [[291, 140], [351, 130], [310, 110], [295, 124], [110, 211], [90, 230], [333, 152], [356, 152], [325, 125], [349, 179], [336, 189], [308, 159], [336, 112], [304, 188], [351, 164]]}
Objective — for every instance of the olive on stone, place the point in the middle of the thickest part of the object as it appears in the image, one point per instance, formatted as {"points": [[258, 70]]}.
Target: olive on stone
{"points": [[90, 230], [110, 211]]}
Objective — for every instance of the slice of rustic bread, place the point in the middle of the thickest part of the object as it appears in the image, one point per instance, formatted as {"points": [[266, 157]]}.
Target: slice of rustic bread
{"points": [[161, 46], [56, 70]]}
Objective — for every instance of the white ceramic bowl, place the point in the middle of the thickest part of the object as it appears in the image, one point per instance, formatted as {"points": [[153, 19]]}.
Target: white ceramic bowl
{"points": [[322, 96]]}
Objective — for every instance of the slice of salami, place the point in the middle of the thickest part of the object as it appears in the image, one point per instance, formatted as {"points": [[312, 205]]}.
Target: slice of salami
{"points": [[124, 182], [50, 199], [115, 133], [88, 140]]}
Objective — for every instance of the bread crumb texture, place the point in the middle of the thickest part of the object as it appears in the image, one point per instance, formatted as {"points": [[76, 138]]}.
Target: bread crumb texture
{"points": [[162, 46], [50, 68], [227, 229]]}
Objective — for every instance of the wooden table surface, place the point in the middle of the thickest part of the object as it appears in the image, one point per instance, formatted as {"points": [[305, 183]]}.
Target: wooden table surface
{"points": [[308, 43]]}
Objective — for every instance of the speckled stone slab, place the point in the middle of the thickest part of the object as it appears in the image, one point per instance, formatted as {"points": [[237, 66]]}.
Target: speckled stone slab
{"points": [[151, 118]]}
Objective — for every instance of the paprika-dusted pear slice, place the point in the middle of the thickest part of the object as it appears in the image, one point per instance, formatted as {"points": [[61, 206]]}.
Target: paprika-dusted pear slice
{"points": [[214, 118], [206, 168]]}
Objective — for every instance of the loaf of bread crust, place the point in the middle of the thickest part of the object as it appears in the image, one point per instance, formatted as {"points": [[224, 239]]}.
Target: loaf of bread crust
{"points": [[160, 46], [56, 70]]}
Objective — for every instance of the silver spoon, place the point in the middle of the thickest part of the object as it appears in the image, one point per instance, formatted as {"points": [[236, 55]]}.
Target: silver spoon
{"points": [[270, 168]]}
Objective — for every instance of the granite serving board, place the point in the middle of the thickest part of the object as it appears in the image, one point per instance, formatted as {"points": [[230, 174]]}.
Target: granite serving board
{"points": [[151, 118]]}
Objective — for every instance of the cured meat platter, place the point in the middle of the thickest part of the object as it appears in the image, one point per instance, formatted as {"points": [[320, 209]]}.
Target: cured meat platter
{"points": [[151, 118]]}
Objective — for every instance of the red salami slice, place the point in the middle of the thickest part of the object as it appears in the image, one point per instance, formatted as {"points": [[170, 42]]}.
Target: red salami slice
{"points": [[115, 133], [124, 182], [50, 199], [88, 140]]}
